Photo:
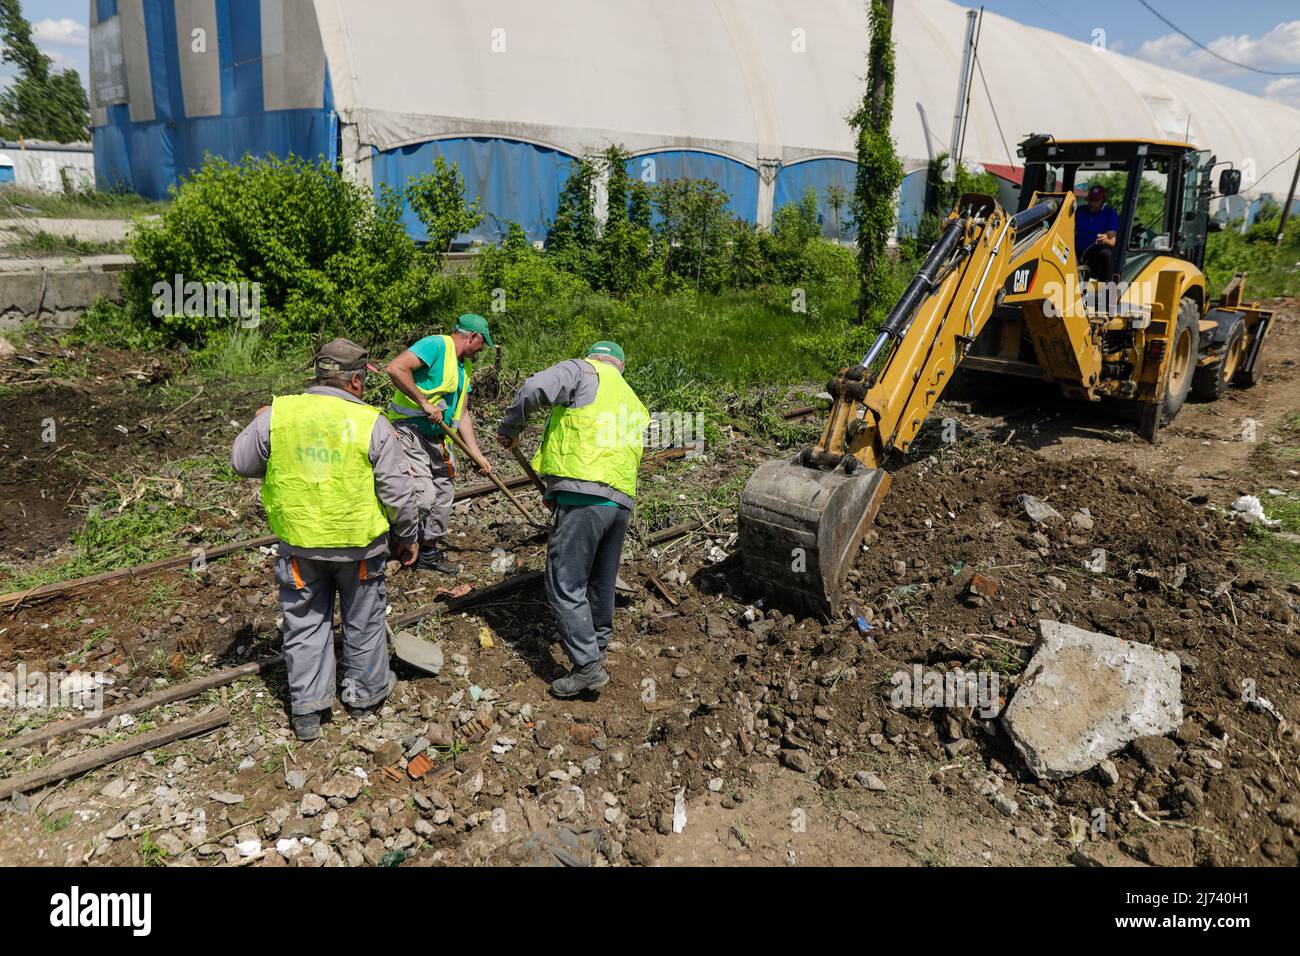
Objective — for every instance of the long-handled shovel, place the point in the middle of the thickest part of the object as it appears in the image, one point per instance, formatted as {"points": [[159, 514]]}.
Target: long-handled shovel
{"points": [[527, 466], [460, 443]]}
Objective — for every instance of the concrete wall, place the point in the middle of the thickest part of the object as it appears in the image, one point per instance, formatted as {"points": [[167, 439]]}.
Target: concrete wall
{"points": [[58, 291], [48, 166]]}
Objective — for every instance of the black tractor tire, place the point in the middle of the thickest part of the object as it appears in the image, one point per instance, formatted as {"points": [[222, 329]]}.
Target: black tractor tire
{"points": [[1184, 347], [1211, 381], [1246, 377]]}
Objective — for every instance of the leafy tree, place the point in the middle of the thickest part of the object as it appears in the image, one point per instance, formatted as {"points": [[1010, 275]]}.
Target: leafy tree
{"points": [[41, 103], [438, 201], [879, 171], [572, 237], [695, 228], [837, 198], [625, 252]]}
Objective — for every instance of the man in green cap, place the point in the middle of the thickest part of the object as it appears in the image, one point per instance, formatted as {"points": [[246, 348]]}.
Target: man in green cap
{"points": [[432, 381], [590, 456]]}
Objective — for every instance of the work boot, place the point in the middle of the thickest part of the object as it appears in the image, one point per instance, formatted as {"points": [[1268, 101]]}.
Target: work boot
{"points": [[432, 559], [588, 677], [372, 708], [306, 726]]}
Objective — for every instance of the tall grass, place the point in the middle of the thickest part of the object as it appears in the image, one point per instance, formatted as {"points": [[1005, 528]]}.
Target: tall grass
{"points": [[96, 204]]}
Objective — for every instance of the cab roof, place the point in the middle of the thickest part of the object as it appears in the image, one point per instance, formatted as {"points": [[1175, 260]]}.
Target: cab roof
{"points": [[1135, 141]]}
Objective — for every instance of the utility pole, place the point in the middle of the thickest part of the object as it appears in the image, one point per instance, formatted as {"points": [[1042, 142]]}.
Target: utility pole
{"points": [[1286, 207], [959, 112]]}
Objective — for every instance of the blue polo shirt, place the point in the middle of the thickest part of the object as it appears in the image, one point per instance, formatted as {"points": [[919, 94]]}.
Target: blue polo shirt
{"points": [[1087, 224]]}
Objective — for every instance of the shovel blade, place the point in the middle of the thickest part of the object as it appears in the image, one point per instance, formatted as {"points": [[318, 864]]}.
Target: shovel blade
{"points": [[800, 529], [417, 652]]}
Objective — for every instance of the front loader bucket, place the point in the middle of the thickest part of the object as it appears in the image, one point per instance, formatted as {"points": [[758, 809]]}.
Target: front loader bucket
{"points": [[800, 529]]}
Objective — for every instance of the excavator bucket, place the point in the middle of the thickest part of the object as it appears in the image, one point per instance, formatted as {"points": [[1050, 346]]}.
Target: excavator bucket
{"points": [[800, 529]]}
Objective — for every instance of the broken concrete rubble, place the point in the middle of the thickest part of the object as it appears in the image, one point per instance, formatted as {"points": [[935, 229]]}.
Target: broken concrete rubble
{"points": [[1086, 696], [1039, 511]]}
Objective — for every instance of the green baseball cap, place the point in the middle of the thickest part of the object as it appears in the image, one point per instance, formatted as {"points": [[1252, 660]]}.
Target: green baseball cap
{"points": [[469, 322], [612, 349]]}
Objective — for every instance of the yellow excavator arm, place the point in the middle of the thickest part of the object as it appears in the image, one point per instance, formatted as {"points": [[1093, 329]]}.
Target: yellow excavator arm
{"points": [[801, 520]]}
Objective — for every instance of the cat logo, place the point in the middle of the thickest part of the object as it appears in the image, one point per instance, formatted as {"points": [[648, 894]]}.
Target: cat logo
{"points": [[1022, 279]]}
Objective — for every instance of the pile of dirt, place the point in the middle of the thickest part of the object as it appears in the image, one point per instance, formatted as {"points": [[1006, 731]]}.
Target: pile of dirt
{"points": [[62, 436], [1169, 581]]}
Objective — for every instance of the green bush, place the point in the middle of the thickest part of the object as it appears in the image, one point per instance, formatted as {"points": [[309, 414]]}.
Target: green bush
{"points": [[1270, 269], [329, 258], [517, 277]]}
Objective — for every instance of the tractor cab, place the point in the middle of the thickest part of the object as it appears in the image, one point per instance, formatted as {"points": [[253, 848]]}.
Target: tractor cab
{"points": [[1160, 190]]}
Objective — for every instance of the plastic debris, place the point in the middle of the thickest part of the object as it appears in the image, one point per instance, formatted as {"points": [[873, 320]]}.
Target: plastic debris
{"points": [[679, 810], [1250, 510]]}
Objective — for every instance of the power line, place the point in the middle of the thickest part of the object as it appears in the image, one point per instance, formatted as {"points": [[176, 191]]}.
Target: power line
{"points": [[980, 66], [1260, 179], [1218, 56], [1073, 27]]}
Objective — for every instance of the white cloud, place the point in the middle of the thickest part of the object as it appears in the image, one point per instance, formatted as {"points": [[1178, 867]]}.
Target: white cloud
{"points": [[1284, 89], [65, 32], [1278, 49], [61, 61]]}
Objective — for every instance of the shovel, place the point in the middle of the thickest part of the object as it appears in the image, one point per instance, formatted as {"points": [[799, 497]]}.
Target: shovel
{"points": [[527, 466], [460, 443]]}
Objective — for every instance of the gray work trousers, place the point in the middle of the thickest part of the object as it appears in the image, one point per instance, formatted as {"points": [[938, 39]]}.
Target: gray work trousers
{"points": [[307, 590], [582, 555], [434, 489]]}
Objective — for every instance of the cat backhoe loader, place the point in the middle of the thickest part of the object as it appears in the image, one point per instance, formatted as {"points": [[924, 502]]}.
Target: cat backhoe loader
{"points": [[1005, 293]]}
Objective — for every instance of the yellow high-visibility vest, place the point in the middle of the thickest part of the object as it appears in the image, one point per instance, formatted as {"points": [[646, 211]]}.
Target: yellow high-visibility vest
{"points": [[598, 442], [402, 406], [319, 489]]}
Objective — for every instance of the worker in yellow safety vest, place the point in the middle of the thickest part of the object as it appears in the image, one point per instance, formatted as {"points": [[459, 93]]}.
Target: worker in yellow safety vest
{"points": [[431, 382], [590, 456], [336, 489]]}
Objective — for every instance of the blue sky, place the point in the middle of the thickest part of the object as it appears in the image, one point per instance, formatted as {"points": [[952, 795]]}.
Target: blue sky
{"points": [[1260, 33]]}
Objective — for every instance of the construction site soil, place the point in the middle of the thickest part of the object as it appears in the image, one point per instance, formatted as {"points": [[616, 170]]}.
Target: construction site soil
{"points": [[730, 733]]}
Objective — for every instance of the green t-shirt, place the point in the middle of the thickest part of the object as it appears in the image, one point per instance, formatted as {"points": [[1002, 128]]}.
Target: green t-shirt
{"points": [[431, 350]]}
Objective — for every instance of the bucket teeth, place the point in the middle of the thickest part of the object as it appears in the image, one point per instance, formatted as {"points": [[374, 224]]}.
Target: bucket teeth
{"points": [[800, 529]]}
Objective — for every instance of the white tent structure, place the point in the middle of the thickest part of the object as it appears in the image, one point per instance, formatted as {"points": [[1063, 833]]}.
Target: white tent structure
{"points": [[752, 93]]}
